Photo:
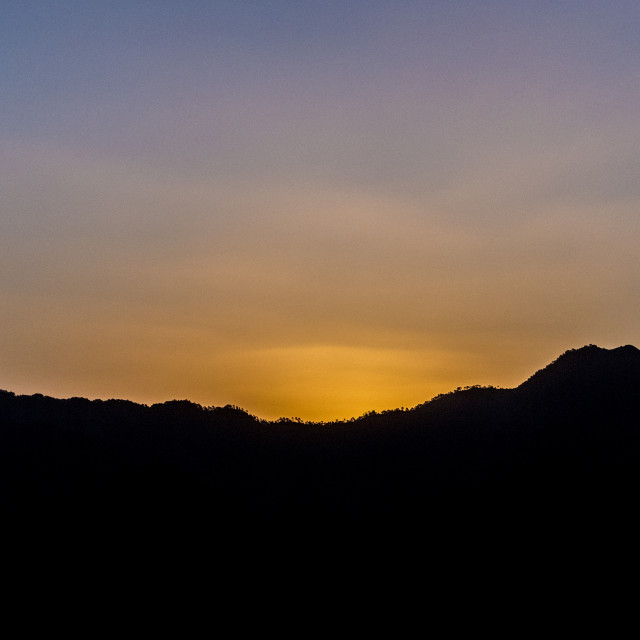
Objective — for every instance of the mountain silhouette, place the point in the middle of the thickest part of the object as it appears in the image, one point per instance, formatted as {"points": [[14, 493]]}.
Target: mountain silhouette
{"points": [[560, 452]]}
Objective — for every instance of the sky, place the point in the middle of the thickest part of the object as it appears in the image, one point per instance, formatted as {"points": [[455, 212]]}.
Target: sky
{"points": [[313, 208]]}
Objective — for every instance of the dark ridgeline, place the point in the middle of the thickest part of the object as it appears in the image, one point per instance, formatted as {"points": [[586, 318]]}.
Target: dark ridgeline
{"points": [[480, 470]]}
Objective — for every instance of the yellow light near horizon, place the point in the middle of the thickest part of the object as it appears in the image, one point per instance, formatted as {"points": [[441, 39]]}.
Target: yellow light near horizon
{"points": [[325, 382]]}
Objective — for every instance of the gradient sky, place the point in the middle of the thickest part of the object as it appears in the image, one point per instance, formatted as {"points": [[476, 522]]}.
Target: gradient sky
{"points": [[313, 208]]}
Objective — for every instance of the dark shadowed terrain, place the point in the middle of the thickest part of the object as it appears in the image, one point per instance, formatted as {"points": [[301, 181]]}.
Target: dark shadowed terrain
{"points": [[552, 466]]}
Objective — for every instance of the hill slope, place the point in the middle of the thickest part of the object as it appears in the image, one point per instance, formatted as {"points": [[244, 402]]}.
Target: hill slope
{"points": [[564, 444]]}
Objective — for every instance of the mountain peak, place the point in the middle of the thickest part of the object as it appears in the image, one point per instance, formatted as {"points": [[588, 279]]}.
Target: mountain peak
{"points": [[587, 366]]}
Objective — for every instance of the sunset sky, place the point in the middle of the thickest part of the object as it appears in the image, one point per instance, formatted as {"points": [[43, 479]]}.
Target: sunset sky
{"points": [[313, 208]]}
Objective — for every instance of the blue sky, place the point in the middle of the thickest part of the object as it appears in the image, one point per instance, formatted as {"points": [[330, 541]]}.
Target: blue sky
{"points": [[316, 208]]}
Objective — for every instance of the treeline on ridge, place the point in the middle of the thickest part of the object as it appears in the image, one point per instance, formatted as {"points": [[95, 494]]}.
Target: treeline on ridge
{"points": [[567, 439]]}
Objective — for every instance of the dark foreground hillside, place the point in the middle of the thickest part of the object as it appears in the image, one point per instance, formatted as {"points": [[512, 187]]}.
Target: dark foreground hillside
{"points": [[553, 460]]}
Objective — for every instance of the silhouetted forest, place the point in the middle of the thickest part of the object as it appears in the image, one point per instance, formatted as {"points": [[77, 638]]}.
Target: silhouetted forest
{"points": [[477, 466]]}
